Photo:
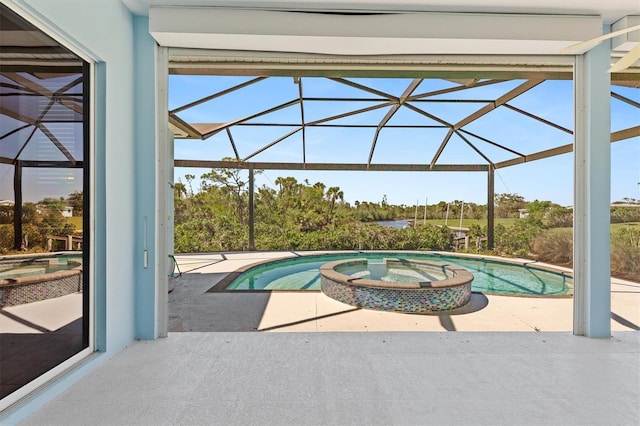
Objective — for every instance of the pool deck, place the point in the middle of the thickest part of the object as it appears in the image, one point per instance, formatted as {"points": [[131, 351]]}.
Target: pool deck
{"points": [[385, 371], [192, 308]]}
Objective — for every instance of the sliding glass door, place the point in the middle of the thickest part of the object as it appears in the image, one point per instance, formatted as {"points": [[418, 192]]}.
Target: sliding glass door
{"points": [[44, 208]]}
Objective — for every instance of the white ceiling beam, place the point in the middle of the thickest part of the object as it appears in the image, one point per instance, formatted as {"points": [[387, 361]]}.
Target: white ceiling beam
{"points": [[414, 33], [626, 42]]}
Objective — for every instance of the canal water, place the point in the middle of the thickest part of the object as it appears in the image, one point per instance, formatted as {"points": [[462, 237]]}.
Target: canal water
{"points": [[398, 224]]}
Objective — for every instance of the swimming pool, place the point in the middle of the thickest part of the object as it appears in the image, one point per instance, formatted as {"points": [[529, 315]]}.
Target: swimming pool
{"points": [[24, 267], [32, 278], [490, 276]]}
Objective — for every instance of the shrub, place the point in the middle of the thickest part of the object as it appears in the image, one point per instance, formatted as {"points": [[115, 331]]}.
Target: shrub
{"points": [[557, 248], [355, 236], [625, 253], [553, 247], [6, 239], [516, 238], [621, 214], [558, 217]]}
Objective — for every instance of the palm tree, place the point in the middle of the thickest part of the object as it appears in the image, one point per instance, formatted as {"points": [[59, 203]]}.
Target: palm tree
{"points": [[76, 200], [334, 193], [179, 190]]}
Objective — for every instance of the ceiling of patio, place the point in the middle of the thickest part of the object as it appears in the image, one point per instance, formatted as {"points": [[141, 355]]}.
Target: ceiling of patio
{"points": [[610, 10], [391, 86]]}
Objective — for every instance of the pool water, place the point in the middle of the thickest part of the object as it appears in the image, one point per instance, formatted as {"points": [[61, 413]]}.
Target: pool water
{"points": [[490, 276], [40, 266], [379, 271]]}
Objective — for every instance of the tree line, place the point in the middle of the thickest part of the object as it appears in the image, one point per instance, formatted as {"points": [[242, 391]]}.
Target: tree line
{"points": [[311, 216], [40, 220], [212, 214]]}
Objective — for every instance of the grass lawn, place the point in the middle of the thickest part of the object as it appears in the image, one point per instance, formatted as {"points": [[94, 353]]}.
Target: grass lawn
{"points": [[76, 221], [614, 227]]}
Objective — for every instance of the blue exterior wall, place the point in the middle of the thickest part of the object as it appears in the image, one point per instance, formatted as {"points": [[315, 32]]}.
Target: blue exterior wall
{"points": [[145, 197], [124, 168], [125, 152]]}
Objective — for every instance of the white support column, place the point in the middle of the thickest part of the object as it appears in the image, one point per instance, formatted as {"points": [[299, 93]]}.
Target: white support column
{"points": [[170, 200], [252, 243], [162, 180], [592, 193]]}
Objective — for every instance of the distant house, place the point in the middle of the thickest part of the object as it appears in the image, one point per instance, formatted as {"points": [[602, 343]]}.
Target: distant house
{"points": [[6, 203], [67, 211], [459, 232], [523, 213]]}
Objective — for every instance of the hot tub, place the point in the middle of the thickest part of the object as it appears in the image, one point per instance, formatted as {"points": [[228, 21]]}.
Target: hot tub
{"points": [[26, 279], [400, 285]]}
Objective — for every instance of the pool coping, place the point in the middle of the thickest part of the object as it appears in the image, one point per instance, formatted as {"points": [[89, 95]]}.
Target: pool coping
{"points": [[461, 275], [31, 279], [19, 256]]}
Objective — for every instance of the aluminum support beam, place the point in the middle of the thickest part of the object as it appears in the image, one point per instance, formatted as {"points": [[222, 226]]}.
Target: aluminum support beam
{"points": [[514, 93], [207, 164], [592, 194], [216, 95], [17, 207], [233, 144], [618, 136], [42, 91], [250, 117], [302, 123], [57, 143], [491, 196], [401, 100], [252, 244], [623, 134]]}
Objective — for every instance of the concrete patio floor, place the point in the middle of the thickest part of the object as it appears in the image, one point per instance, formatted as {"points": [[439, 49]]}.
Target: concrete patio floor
{"points": [[496, 369], [380, 378]]}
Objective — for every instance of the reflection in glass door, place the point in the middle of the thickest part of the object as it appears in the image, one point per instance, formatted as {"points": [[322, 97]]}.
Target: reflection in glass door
{"points": [[44, 286]]}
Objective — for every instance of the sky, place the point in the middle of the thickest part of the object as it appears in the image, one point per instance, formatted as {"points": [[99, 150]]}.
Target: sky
{"points": [[549, 179]]}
